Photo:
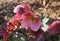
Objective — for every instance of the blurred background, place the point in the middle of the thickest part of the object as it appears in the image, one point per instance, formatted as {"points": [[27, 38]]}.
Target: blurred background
{"points": [[50, 8]]}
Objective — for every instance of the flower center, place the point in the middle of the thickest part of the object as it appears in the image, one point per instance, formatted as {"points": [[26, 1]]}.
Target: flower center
{"points": [[32, 19]]}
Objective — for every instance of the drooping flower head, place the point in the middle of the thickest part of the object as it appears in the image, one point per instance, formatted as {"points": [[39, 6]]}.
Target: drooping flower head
{"points": [[54, 27], [32, 22], [29, 20], [21, 9]]}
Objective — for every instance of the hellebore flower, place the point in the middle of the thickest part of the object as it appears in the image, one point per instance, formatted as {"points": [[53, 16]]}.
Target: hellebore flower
{"points": [[31, 21], [54, 27], [28, 19], [4, 33], [13, 25], [21, 9]]}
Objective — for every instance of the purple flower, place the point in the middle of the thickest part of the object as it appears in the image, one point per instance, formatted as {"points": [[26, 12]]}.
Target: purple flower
{"points": [[54, 27], [31, 21]]}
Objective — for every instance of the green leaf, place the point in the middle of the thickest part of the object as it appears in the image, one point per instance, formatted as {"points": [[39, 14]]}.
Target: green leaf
{"points": [[1, 39], [44, 27], [10, 38], [45, 20]]}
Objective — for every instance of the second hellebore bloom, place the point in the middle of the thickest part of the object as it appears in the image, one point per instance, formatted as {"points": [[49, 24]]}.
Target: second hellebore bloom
{"points": [[54, 27]]}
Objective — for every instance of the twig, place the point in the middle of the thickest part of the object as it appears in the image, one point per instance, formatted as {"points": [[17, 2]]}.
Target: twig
{"points": [[44, 2], [48, 4]]}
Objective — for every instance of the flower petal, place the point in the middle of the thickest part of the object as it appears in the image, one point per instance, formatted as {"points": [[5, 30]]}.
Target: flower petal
{"points": [[16, 10], [30, 21], [36, 26], [18, 17], [54, 27], [24, 6], [25, 23], [16, 23]]}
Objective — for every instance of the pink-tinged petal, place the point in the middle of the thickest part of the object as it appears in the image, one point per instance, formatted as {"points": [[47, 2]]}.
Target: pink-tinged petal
{"points": [[16, 10], [36, 26], [51, 31], [54, 27], [25, 23], [24, 6], [18, 17]]}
